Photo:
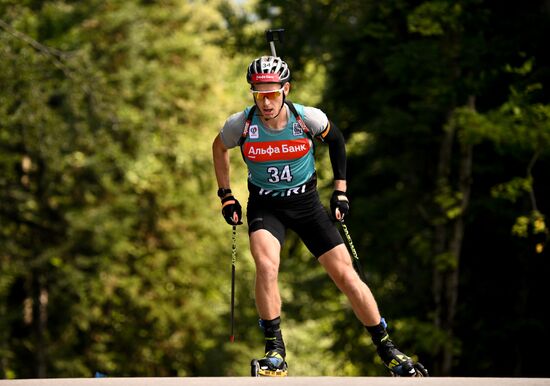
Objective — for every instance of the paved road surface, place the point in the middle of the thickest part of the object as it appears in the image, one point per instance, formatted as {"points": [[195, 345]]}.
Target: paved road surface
{"points": [[288, 381]]}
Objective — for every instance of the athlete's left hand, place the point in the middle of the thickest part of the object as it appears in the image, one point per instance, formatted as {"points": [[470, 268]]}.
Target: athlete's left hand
{"points": [[339, 205]]}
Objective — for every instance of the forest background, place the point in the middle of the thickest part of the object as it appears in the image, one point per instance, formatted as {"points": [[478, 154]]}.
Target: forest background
{"points": [[114, 256]]}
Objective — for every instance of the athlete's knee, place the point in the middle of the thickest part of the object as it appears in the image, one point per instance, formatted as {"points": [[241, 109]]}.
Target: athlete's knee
{"points": [[267, 263], [266, 269], [348, 279], [338, 264]]}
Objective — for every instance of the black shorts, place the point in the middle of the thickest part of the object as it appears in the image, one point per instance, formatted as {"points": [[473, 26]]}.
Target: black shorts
{"points": [[304, 214]]}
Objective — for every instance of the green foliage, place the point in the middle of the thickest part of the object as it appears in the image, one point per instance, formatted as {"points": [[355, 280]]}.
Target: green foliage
{"points": [[434, 18], [114, 255], [513, 189], [517, 122], [106, 153]]}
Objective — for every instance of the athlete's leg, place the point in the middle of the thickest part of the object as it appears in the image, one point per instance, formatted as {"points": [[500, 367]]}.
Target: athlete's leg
{"points": [[337, 262], [266, 251], [267, 234]]}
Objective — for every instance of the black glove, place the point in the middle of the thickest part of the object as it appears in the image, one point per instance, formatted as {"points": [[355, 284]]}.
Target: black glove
{"points": [[339, 201], [231, 210]]}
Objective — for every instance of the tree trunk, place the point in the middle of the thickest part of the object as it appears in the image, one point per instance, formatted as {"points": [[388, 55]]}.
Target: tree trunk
{"points": [[42, 331], [440, 243], [449, 234], [38, 318]]}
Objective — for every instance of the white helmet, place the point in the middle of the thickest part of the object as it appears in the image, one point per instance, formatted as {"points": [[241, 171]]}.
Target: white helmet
{"points": [[268, 69]]}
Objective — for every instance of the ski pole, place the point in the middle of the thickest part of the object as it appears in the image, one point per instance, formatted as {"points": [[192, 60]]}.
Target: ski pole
{"points": [[356, 262], [233, 262], [271, 36]]}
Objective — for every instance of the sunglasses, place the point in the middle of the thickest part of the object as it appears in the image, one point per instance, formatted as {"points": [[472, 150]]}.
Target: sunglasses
{"points": [[270, 94]]}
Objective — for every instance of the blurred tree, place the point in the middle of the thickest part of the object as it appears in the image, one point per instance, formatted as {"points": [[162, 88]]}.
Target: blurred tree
{"points": [[110, 250]]}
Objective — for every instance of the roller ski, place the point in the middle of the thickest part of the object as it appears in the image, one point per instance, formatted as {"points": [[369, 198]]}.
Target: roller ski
{"points": [[271, 365], [399, 364]]}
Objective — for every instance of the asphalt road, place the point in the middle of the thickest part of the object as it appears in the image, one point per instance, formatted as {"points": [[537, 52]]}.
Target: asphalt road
{"points": [[287, 381]]}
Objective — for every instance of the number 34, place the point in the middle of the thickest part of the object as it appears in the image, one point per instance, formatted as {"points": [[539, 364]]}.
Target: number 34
{"points": [[277, 175]]}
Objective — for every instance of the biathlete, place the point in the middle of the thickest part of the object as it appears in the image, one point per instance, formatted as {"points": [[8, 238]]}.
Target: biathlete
{"points": [[276, 141]]}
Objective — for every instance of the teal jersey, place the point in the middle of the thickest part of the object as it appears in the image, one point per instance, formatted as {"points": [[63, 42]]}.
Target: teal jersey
{"points": [[278, 160]]}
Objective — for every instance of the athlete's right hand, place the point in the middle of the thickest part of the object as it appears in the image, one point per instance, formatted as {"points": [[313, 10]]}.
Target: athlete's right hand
{"points": [[231, 210]]}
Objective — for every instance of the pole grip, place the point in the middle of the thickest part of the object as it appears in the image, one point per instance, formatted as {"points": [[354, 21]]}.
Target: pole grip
{"points": [[273, 35], [272, 47]]}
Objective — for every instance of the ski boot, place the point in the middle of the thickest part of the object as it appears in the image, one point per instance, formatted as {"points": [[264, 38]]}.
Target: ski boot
{"points": [[271, 365], [399, 364]]}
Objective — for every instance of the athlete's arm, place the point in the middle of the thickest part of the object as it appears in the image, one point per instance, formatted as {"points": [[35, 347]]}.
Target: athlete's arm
{"points": [[232, 130], [231, 208], [339, 203], [228, 138], [220, 155], [337, 152], [320, 126]]}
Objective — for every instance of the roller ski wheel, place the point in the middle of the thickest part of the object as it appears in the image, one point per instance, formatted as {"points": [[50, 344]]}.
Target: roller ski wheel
{"points": [[399, 364], [420, 370], [417, 370], [271, 365]]}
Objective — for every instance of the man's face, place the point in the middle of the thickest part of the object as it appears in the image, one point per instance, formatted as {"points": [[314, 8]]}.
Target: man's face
{"points": [[269, 97]]}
